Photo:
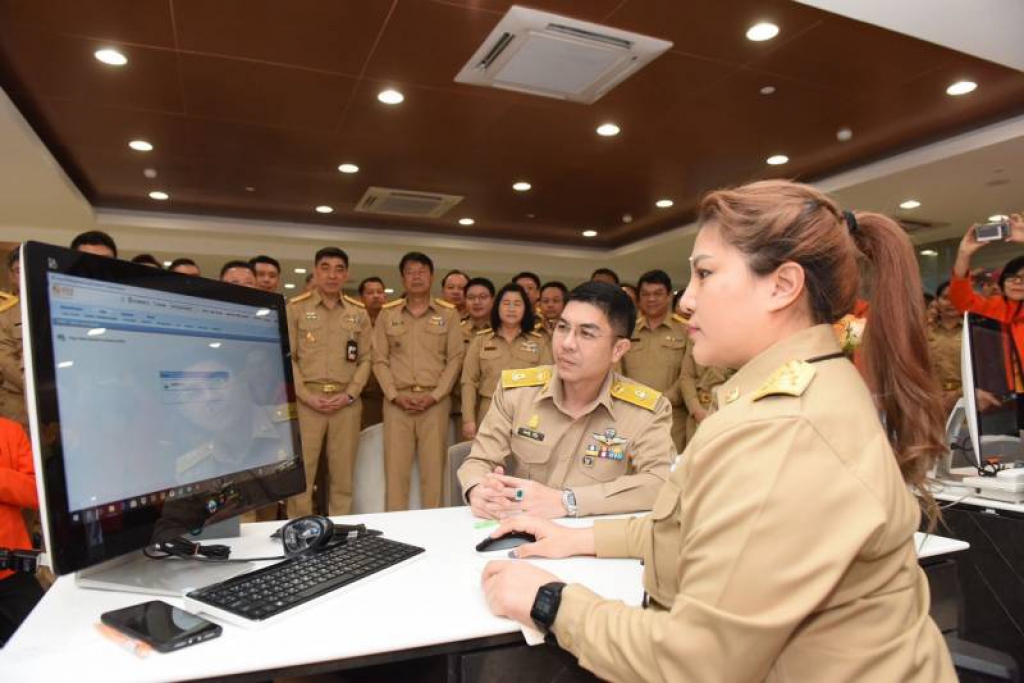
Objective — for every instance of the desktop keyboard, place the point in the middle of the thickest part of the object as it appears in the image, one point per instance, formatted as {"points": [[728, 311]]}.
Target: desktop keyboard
{"points": [[267, 592]]}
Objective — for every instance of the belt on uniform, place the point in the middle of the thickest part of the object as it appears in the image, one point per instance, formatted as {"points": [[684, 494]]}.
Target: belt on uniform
{"points": [[326, 387], [416, 389], [704, 397], [951, 385]]}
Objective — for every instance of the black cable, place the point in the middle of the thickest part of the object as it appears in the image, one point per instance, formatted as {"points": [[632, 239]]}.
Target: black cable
{"points": [[19, 561]]}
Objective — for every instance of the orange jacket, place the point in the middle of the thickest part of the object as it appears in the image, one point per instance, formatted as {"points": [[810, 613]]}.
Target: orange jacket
{"points": [[1009, 313], [17, 487]]}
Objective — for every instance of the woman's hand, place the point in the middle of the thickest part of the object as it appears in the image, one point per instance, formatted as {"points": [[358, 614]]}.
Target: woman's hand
{"points": [[511, 587], [553, 540]]}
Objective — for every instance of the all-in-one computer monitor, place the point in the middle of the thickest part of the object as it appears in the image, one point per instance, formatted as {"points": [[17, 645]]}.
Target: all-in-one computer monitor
{"points": [[159, 403]]}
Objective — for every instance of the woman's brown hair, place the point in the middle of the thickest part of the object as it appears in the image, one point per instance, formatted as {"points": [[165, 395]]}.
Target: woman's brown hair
{"points": [[776, 221]]}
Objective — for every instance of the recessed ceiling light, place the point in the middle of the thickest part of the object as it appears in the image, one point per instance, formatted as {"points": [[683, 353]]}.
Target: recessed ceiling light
{"points": [[159, 196], [390, 96], [167, 264], [997, 218], [929, 252], [767, 90], [961, 88], [214, 345], [521, 186], [111, 56], [289, 285], [844, 134], [607, 130], [664, 203], [590, 233], [627, 218], [323, 208], [149, 173], [763, 31], [250, 188], [300, 271], [910, 204], [348, 168], [388, 290], [466, 221], [141, 146], [777, 160]]}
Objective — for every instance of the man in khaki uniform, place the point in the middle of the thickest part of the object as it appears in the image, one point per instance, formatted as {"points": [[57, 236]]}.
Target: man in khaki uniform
{"points": [[944, 341], [475, 322], [656, 349], [697, 384], [12, 362], [417, 357], [576, 437], [553, 296], [330, 338], [373, 296]]}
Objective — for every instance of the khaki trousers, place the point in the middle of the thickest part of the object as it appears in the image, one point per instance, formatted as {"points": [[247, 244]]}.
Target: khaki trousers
{"points": [[405, 436], [338, 434]]}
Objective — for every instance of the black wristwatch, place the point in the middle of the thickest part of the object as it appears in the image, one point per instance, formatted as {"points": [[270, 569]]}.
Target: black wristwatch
{"points": [[545, 605]]}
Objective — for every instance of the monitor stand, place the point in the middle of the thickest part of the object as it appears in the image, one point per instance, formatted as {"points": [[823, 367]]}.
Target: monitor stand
{"points": [[136, 573], [955, 424]]}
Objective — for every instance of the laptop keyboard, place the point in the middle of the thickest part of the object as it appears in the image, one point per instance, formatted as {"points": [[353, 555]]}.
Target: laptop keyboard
{"points": [[267, 592]]}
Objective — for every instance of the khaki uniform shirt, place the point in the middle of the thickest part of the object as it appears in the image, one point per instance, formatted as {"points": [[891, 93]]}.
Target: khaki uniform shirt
{"points": [[488, 356], [320, 338], [781, 548], [697, 382], [944, 348], [12, 362], [655, 357], [413, 353], [614, 458]]}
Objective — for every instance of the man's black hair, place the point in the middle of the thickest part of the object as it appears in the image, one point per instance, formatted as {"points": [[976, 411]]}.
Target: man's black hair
{"points": [[366, 281], [531, 276], [480, 282], [612, 301], [263, 258], [330, 252], [560, 286], [1010, 270], [450, 273], [95, 238], [606, 271], [178, 262], [941, 289], [655, 277], [147, 260], [236, 264], [13, 257], [416, 257], [528, 321]]}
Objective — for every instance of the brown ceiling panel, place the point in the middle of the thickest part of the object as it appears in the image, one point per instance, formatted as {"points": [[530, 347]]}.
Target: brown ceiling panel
{"points": [[255, 147], [591, 10], [143, 22], [263, 94], [332, 35], [85, 125]]}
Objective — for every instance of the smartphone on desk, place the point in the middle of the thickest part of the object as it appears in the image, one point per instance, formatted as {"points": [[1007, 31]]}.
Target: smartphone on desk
{"points": [[163, 627]]}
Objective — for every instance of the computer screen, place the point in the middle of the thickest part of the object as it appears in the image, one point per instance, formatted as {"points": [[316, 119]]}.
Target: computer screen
{"points": [[160, 402], [993, 403]]}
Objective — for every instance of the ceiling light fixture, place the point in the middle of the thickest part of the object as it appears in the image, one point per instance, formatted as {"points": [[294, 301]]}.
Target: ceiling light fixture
{"points": [[767, 90], [167, 264], [929, 252], [590, 233], [149, 173], [961, 88], [159, 195], [762, 32], [109, 55], [844, 134], [466, 221], [323, 208], [348, 168], [910, 204], [608, 130], [390, 96], [300, 271], [777, 160], [521, 186], [214, 345], [141, 146], [289, 285], [664, 203], [388, 290], [998, 218]]}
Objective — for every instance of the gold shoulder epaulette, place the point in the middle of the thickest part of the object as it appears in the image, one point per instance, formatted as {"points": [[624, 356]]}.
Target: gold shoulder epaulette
{"points": [[637, 394], [640, 321], [525, 377], [354, 302], [792, 379], [300, 297], [680, 319], [537, 333], [392, 304], [11, 302], [484, 331], [445, 304]]}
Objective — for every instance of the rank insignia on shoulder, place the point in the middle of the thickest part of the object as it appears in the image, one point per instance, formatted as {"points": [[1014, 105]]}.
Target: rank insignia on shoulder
{"points": [[792, 379], [484, 331], [354, 302], [444, 304], [392, 304], [535, 332], [526, 377], [10, 302], [300, 297], [637, 394], [680, 319]]}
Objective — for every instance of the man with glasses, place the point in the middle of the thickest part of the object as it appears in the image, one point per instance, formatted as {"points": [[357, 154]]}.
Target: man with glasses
{"points": [[657, 347], [575, 438]]}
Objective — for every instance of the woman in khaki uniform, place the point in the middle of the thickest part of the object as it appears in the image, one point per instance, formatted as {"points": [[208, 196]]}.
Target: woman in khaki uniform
{"points": [[781, 546], [511, 343]]}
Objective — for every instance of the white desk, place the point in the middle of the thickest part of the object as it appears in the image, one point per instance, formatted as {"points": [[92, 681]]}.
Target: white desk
{"points": [[930, 545], [431, 602]]}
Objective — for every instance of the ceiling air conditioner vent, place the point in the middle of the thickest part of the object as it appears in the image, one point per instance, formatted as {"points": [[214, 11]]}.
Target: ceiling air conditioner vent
{"points": [[554, 56], [389, 201]]}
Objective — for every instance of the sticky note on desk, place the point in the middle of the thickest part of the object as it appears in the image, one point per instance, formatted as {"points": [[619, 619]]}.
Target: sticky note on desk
{"points": [[486, 524]]}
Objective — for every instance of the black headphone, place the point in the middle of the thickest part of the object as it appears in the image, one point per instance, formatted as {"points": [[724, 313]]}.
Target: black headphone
{"points": [[307, 535]]}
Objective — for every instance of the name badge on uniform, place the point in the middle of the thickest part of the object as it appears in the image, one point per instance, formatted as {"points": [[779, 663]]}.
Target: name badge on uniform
{"points": [[437, 320], [490, 348], [310, 315], [352, 319], [529, 347], [352, 350], [530, 433]]}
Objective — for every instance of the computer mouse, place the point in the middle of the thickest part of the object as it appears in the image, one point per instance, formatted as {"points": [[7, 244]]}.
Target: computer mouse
{"points": [[506, 542]]}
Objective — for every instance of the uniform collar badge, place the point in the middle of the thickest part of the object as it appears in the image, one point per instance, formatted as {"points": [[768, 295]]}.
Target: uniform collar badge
{"points": [[534, 421], [733, 395]]}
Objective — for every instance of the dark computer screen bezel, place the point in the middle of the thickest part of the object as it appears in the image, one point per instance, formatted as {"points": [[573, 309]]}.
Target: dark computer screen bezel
{"points": [[70, 547]]}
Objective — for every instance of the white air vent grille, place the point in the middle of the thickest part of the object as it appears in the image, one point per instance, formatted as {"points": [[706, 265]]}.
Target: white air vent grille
{"points": [[386, 200], [555, 56]]}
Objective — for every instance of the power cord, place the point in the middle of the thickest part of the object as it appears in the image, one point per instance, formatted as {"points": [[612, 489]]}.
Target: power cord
{"points": [[185, 549]]}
